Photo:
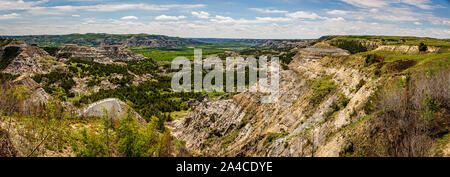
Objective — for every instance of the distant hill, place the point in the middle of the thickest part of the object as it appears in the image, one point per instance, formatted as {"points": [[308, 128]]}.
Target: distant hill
{"points": [[99, 39], [231, 41]]}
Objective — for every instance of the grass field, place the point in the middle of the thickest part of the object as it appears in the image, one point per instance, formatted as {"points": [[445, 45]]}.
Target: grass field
{"points": [[168, 54]]}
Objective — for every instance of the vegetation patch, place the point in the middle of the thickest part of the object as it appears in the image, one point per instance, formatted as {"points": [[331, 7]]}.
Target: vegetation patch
{"points": [[270, 137], [321, 88], [429, 108], [353, 46], [64, 79], [373, 58], [9, 54]]}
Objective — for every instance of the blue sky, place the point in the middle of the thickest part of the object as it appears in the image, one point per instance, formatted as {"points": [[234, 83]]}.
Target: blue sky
{"points": [[283, 19]]}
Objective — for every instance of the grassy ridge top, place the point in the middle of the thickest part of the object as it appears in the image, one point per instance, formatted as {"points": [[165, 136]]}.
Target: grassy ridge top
{"points": [[96, 39], [391, 40]]}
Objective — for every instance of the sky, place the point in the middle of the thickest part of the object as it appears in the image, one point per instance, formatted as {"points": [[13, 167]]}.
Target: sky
{"points": [[263, 19]]}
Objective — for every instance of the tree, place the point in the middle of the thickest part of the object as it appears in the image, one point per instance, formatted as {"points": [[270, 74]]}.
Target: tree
{"points": [[423, 47]]}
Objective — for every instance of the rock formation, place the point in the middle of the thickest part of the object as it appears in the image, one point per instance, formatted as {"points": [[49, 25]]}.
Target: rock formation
{"points": [[333, 122], [112, 107], [31, 59], [100, 54]]}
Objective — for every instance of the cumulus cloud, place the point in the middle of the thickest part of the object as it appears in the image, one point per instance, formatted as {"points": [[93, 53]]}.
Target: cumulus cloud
{"points": [[9, 16], [293, 30], [304, 15], [337, 12], [367, 3], [389, 14], [129, 18], [273, 19], [422, 4], [19, 4], [268, 10], [36, 7], [166, 17], [201, 14]]}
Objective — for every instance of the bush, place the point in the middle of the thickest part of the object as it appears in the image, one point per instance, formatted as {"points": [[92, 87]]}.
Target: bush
{"points": [[91, 145], [373, 58], [429, 108], [136, 140], [423, 47], [360, 84], [321, 88]]}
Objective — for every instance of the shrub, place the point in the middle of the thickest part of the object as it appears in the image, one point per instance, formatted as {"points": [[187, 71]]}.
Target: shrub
{"points": [[429, 108], [321, 88], [373, 58], [423, 47], [361, 83], [377, 72], [136, 140], [91, 145]]}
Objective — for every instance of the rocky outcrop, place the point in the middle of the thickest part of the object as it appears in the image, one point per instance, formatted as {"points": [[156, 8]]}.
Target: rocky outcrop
{"points": [[334, 122], [31, 60], [100, 54], [112, 107], [319, 51], [407, 49], [36, 92], [287, 43]]}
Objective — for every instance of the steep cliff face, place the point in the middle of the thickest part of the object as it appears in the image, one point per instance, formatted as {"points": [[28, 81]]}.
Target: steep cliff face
{"points": [[30, 59], [331, 104], [408, 49], [287, 43], [100, 54], [112, 108]]}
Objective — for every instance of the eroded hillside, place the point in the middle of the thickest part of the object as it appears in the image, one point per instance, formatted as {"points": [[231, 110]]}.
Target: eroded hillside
{"points": [[381, 101], [339, 96]]}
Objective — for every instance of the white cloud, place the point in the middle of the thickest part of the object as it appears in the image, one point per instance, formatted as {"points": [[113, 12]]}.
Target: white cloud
{"points": [[166, 17], [417, 23], [337, 12], [201, 14], [76, 15], [19, 4], [34, 8], [304, 15], [391, 14], [367, 3], [223, 19], [293, 30], [422, 4], [336, 19], [9, 16], [273, 19], [141, 6], [129, 18], [268, 10]]}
